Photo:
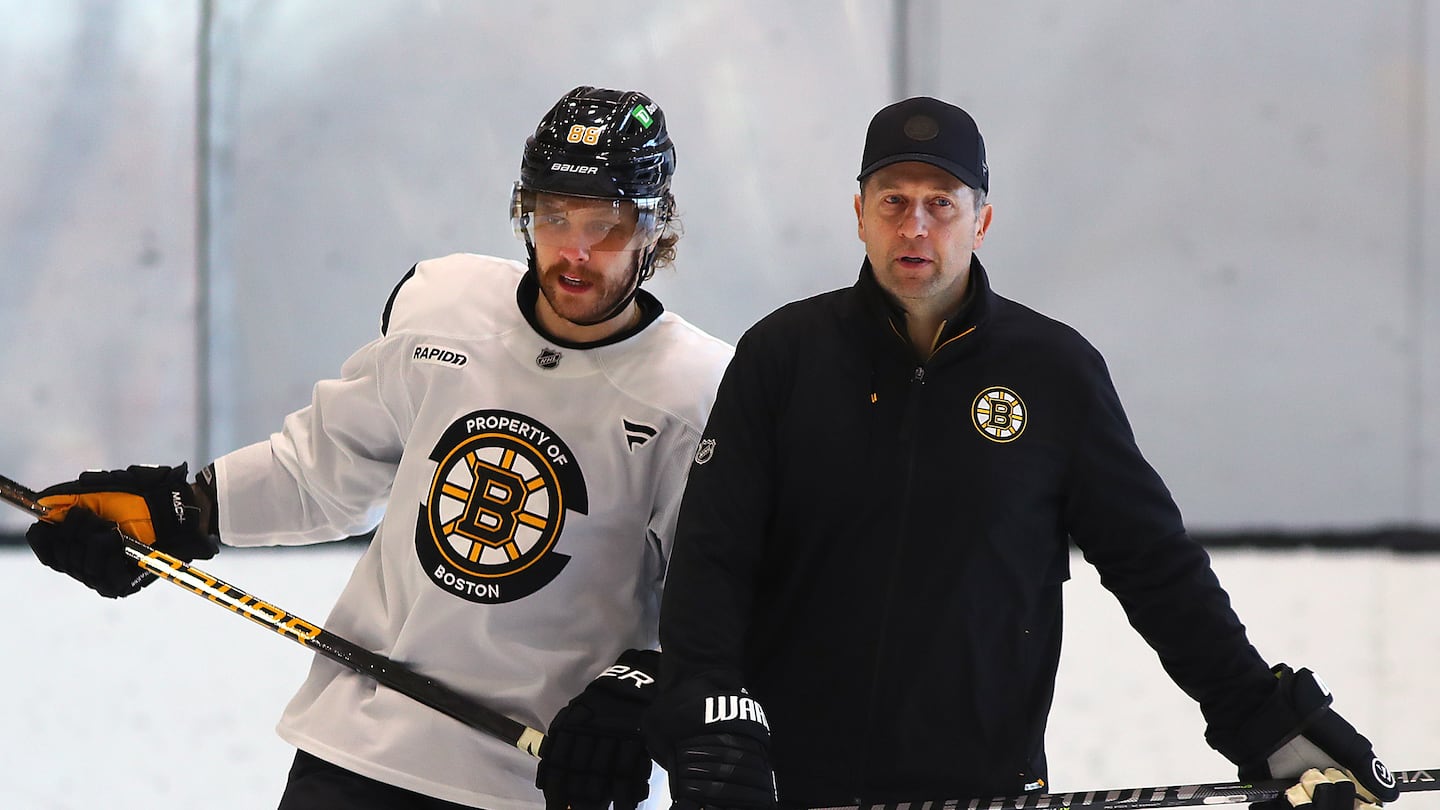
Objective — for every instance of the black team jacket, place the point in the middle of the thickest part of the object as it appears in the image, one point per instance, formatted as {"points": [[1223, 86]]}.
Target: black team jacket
{"points": [[874, 546]]}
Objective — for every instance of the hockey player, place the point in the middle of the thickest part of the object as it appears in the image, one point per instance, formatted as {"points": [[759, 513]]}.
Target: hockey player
{"points": [[876, 528], [520, 432]]}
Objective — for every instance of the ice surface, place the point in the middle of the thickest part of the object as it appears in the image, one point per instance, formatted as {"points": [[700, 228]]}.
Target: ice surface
{"points": [[153, 701]]}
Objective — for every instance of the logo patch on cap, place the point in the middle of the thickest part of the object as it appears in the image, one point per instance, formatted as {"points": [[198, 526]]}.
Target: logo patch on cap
{"points": [[921, 128]]}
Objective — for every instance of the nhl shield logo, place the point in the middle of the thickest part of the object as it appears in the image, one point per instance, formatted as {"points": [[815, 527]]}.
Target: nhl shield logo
{"points": [[999, 414], [548, 358], [705, 451]]}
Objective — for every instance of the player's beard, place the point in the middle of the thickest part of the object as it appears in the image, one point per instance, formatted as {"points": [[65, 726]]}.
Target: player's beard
{"points": [[601, 302]]}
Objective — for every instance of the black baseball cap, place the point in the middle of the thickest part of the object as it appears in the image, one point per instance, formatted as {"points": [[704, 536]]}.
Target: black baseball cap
{"points": [[930, 131]]}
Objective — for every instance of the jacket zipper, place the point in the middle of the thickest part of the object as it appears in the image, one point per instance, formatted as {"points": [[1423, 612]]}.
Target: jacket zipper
{"points": [[907, 425], [907, 430]]}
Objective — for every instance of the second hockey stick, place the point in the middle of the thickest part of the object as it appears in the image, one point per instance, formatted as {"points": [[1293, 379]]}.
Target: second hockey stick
{"points": [[1144, 798], [389, 673]]}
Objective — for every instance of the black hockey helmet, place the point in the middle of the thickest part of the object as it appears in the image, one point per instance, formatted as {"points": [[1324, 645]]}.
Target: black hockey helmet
{"points": [[600, 143]]}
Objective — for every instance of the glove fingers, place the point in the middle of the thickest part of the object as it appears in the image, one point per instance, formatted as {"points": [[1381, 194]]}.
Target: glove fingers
{"points": [[1334, 796], [607, 777], [632, 751], [87, 548], [593, 754], [44, 539], [108, 569], [702, 793], [731, 769]]}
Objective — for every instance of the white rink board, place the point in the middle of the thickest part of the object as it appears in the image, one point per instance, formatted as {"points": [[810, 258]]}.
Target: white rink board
{"points": [[150, 702]]}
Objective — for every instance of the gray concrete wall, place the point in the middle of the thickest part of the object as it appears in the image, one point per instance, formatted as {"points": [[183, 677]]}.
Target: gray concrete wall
{"points": [[205, 205], [98, 294], [1230, 199]]}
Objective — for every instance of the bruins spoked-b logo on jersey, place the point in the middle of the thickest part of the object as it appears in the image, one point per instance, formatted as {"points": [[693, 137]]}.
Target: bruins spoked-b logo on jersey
{"points": [[502, 487], [999, 414]]}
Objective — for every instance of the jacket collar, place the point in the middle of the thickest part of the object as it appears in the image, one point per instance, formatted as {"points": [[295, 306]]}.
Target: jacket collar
{"points": [[972, 312]]}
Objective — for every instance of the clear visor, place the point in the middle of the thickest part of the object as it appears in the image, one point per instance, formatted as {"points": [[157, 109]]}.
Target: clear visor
{"points": [[586, 223]]}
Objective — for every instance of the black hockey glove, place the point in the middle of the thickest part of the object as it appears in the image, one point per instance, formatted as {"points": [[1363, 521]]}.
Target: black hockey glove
{"points": [[1294, 731], [593, 754], [79, 537], [715, 744]]}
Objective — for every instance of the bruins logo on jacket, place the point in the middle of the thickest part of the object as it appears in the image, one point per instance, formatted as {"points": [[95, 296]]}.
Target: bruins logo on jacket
{"points": [[502, 487], [999, 414]]}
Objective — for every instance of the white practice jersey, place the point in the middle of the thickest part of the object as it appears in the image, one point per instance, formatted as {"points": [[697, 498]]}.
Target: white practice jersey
{"points": [[526, 496]]}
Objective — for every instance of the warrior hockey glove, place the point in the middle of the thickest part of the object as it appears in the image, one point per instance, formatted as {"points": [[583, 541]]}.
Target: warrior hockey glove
{"points": [[1295, 730], [715, 744], [593, 754], [80, 536]]}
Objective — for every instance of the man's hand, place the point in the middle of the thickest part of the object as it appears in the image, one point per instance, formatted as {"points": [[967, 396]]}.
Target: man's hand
{"points": [[81, 534], [593, 754], [1295, 731], [715, 744]]}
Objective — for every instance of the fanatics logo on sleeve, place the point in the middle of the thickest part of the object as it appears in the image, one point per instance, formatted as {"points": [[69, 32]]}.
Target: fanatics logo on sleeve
{"points": [[439, 355], [999, 414]]}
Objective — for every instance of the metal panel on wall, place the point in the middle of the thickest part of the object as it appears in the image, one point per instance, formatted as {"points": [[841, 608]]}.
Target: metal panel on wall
{"points": [[1424, 109], [1237, 203], [97, 313], [1220, 196], [350, 146]]}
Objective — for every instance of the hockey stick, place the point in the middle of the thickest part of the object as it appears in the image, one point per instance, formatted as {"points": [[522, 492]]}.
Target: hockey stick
{"points": [[1141, 798], [389, 673]]}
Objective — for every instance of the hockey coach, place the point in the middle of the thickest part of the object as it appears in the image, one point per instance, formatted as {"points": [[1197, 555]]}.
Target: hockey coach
{"points": [[864, 600]]}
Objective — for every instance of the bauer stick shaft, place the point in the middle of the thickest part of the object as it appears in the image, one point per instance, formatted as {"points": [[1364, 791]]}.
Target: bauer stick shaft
{"points": [[1143, 798], [389, 673]]}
